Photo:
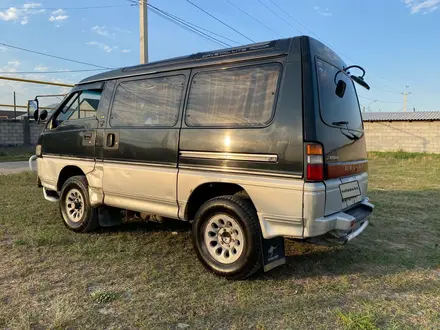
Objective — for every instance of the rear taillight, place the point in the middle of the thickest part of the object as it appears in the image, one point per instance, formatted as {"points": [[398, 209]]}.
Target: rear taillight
{"points": [[314, 162]]}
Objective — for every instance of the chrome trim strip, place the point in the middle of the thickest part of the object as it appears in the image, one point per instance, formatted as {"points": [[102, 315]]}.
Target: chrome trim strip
{"points": [[231, 170], [283, 219], [138, 163], [68, 157], [270, 158]]}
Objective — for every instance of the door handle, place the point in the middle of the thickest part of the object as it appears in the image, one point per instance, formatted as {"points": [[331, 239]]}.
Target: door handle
{"points": [[87, 136], [110, 140]]}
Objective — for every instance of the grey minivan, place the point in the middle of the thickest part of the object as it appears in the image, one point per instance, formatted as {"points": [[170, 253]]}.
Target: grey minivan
{"points": [[250, 144]]}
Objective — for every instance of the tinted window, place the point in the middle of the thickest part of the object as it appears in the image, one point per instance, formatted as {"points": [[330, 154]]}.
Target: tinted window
{"points": [[236, 97], [81, 105], [148, 102], [337, 108]]}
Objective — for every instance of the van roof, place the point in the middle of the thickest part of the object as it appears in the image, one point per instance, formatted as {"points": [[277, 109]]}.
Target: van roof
{"points": [[245, 52]]}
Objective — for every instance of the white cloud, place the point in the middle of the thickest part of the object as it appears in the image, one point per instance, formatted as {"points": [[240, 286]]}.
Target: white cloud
{"points": [[322, 11], [11, 66], [58, 12], [126, 51], [122, 30], [104, 47], [101, 30], [41, 68], [14, 14], [422, 6], [58, 18], [31, 5], [109, 32], [11, 14]]}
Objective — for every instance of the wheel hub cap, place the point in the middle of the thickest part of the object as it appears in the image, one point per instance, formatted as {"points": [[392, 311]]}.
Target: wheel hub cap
{"points": [[74, 205], [224, 238]]}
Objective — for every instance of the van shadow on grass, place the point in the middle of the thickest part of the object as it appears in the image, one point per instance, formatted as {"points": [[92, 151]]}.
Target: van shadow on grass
{"points": [[404, 234]]}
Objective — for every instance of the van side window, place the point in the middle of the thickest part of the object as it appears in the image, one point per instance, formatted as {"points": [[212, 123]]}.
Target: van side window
{"points": [[148, 102], [83, 104], [235, 97]]}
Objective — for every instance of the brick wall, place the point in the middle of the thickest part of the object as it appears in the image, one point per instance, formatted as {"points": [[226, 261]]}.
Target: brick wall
{"points": [[35, 131], [415, 136], [17, 133]]}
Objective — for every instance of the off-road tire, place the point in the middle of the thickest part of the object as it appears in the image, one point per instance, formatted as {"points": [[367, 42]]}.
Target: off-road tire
{"points": [[244, 213], [89, 220]]}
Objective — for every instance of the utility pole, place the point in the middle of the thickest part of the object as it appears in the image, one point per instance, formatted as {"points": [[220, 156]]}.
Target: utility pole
{"points": [[143, 26], [405, 98], [15, 107]]}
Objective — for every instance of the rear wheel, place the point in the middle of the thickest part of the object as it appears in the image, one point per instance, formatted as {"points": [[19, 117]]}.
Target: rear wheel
{"points": [[227, 237], [75, 207]]}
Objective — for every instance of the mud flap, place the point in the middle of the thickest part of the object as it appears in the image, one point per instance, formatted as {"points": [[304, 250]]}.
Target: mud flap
{"points": [[109, 216], [273, 253]]}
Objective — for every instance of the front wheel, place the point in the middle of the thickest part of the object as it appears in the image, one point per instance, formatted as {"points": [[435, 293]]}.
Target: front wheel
{"points": [[227, 237], [75, 207]]}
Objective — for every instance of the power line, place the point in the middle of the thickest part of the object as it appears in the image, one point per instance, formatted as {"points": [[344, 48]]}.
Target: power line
{"points": [[255, 19], [189, 27], [71, 8], [275, 13], [45, 72], [346, 57], [367, 98], [298, 22], [202, 28], [192, 24], [219, 20], [53, 56]]}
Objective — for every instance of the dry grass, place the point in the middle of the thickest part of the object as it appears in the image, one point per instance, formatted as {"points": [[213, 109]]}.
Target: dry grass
{"points": [[143, 276]]}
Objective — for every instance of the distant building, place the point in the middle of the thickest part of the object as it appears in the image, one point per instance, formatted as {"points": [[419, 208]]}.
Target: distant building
{"points": [[8, 114], [406, 131]]}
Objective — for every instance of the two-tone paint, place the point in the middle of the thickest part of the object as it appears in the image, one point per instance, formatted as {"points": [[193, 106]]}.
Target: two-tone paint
{"points": [[158, 169]]}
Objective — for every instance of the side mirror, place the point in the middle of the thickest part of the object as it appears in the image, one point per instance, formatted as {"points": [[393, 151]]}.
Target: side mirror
{"points": [[33, 107], [43, 114], [360, 81]]}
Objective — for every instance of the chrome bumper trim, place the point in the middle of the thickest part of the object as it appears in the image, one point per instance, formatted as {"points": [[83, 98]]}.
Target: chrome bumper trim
{"points": [[31, 159], [50, 198], [356, 233]]}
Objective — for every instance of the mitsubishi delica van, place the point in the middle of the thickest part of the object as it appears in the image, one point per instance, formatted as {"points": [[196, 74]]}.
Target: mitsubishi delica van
{"points": [[251, 145]]}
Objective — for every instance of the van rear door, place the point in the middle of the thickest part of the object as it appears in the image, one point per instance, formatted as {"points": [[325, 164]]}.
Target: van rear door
{"points": [[340, 131]]}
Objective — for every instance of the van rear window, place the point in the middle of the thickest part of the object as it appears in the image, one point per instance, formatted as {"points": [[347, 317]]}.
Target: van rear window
{"points": [[235, 97], [337, 108]]}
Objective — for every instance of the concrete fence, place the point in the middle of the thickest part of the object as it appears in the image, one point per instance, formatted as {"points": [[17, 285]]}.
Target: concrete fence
{"points": [[19, 133], [409, 136]]}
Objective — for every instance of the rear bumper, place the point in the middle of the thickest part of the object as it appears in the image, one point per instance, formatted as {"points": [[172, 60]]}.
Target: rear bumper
{"points": [[344, 225]]}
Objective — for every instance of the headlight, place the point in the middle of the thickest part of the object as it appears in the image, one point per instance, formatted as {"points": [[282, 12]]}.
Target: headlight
{"points": [[38, 150]]}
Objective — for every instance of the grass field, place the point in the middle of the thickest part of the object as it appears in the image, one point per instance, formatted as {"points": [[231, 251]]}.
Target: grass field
{"points": [[15, 154], [147, 276]]}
